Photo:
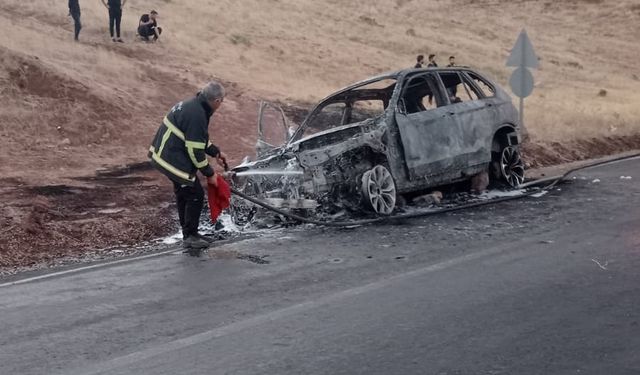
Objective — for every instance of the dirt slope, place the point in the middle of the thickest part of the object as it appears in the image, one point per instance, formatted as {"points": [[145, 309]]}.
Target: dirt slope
{"points": [[71, 110]]}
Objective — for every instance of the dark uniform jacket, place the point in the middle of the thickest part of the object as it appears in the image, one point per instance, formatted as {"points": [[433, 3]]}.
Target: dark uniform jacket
{"points": [[181, 145]]}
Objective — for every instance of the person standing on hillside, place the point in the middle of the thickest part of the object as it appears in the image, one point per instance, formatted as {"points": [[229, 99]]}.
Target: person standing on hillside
{"points": [[453, 90], [432, 61], [179, 150], [74, 12], [419, 61], [115, 17]]}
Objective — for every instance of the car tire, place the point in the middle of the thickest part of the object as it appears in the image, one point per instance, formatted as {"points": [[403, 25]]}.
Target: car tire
{"points": [[507, 167], [378, 190]]}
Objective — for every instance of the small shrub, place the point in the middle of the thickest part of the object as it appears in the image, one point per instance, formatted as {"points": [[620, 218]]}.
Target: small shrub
{"points": [[239, 39]]}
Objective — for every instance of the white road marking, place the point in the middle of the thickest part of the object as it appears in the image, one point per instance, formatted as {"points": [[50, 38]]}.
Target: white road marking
{"points": [[603, 266], [111, 263], [218, 332], [91, 267]]}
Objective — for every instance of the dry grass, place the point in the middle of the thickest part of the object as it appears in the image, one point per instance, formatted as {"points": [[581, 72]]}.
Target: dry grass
{"points": [[304, 49], [301, 50]]}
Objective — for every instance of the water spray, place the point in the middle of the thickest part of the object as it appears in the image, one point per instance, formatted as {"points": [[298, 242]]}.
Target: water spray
{"points": [[268, 173]]}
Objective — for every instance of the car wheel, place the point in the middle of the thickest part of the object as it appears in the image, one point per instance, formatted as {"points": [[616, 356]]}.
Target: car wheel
{"points": [[379, 190], [509, 167]]}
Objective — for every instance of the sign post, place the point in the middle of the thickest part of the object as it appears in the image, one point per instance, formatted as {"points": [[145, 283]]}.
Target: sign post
{"points": [[522, 58]]}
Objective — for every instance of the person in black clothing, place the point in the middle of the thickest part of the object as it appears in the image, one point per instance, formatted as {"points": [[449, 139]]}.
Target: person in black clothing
{"points": [[148, 26], [419, 61], [432, 61], [115, 17], [453, 90], [179, 150], [452, 61], [74, 12]]}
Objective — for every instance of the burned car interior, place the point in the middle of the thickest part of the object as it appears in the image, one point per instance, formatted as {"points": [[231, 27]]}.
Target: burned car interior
{"points": [[418, 94], [349, 107], [463, 87]]}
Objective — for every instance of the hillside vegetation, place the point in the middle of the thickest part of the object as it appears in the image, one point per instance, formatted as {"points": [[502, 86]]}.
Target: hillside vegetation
{"points": [[69, 108], [305, 49]]}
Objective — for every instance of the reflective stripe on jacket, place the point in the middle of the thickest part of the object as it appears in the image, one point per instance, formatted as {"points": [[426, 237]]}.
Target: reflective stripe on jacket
{"points": [[181, 144]]}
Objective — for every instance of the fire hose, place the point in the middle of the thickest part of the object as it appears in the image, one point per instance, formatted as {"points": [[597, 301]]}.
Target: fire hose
{"points": [[550, 181]]}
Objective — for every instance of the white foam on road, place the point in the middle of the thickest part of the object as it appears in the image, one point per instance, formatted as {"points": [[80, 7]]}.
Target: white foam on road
{"points": [[540, 194], [493, 194], [225, 219], [173, 239]]}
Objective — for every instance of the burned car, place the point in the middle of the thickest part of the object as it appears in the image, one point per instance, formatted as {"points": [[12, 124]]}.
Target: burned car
{"points": [[397, 133]]}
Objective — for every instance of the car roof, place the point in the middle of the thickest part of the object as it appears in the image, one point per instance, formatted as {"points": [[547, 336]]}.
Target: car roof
{"points": [[433, 69], [398, 73], [394, 75]]}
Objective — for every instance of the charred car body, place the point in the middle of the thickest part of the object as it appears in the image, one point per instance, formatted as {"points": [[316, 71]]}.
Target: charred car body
{"points": [[389, 135]]}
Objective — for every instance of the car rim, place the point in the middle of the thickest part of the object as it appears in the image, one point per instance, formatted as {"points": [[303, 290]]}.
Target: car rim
{"points": [[512, 166], [379, 190]]}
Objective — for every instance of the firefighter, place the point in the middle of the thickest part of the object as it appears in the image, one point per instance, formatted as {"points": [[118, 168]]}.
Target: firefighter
{"points": [[180, 149]]}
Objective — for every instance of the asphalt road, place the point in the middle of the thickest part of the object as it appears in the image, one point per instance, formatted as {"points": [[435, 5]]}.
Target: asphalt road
{"points": [[547, 285]]}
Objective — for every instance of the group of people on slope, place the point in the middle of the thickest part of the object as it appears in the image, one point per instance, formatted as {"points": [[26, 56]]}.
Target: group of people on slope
{"points": [[432, 61], [148, 28]]}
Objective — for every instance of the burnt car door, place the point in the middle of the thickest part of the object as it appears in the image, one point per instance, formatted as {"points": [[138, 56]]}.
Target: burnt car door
{"points": [[274, 130], [474, 116], [427, 128]]}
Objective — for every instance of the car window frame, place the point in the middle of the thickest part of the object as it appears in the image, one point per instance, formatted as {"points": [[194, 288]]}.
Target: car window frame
{"points": [[468, 76], [464, 80], [299, 132], [319, 110], [405, 85]]}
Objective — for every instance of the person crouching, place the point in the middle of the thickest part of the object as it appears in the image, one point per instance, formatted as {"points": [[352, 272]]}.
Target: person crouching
{"points": [[148, 26]]}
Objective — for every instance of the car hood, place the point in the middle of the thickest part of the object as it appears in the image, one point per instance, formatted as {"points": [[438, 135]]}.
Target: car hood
{"points": [[317, 140], [330, 136], [326, 132]]}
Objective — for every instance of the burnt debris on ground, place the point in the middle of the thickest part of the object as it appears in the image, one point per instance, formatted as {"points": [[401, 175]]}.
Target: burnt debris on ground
{"points": [[90, 217], [253, 217]]}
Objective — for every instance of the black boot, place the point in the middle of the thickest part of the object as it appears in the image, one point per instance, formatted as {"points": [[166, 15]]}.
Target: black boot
{"points": [[195, 242]]}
